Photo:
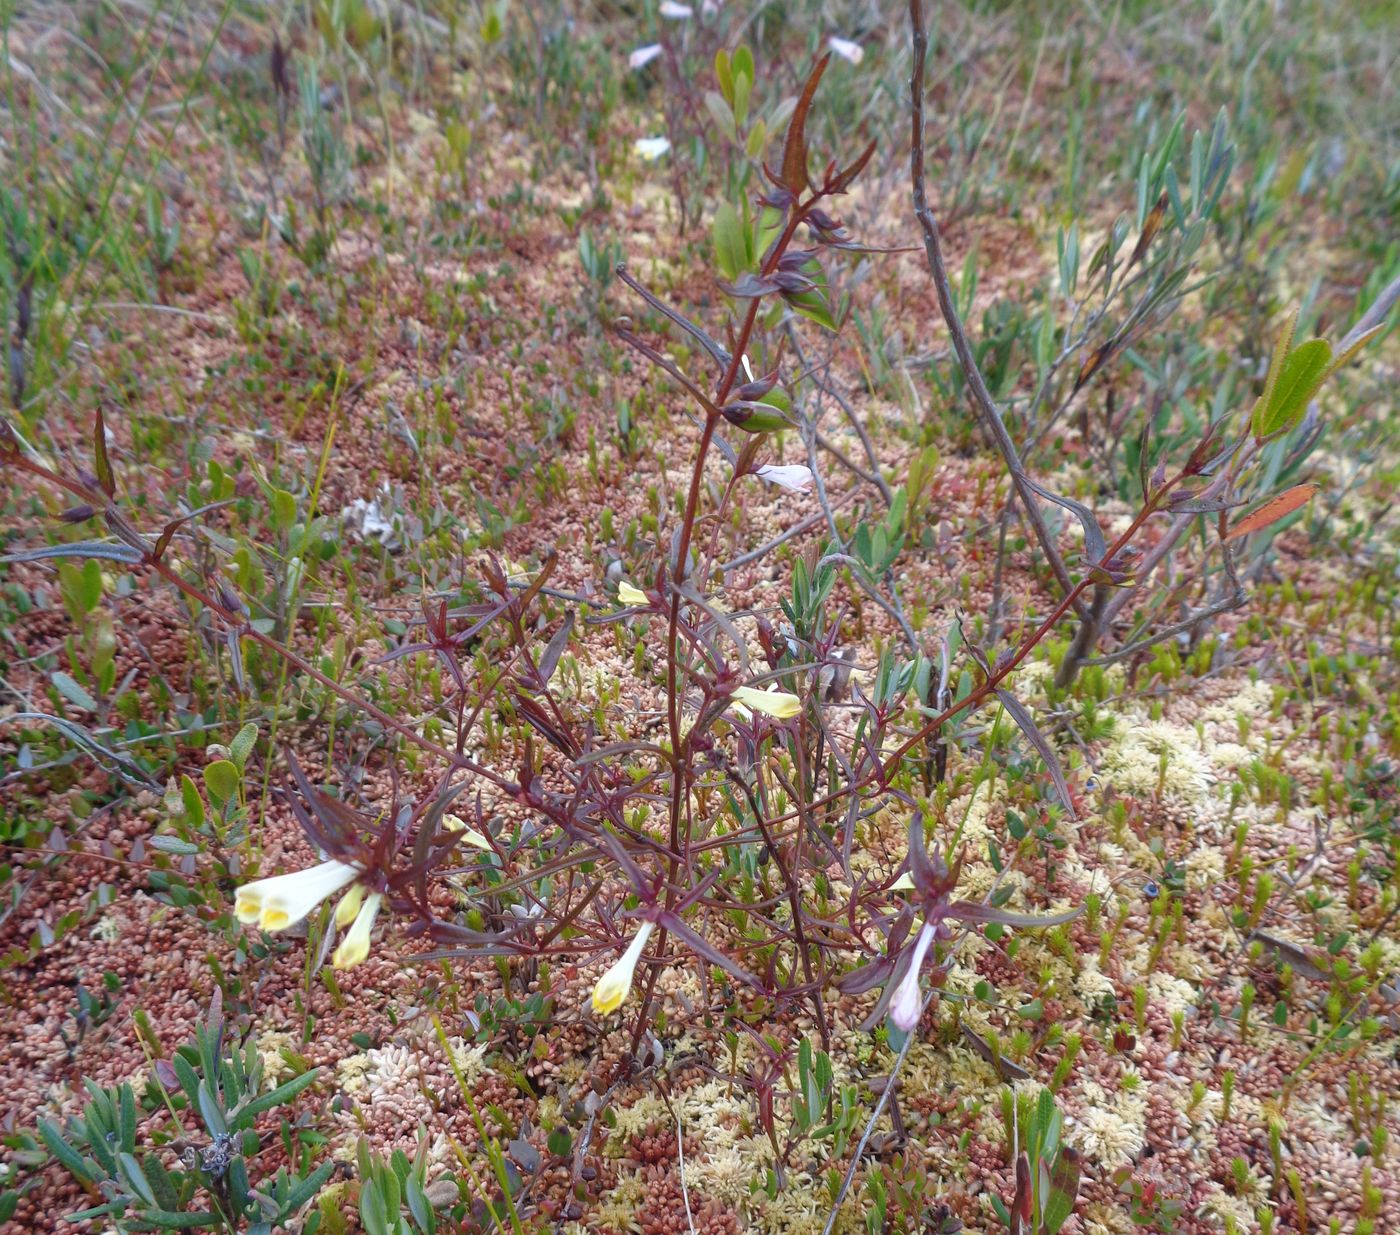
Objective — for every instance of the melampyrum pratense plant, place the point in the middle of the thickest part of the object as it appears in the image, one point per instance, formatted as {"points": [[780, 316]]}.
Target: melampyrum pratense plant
{"points": [[749, 838]]}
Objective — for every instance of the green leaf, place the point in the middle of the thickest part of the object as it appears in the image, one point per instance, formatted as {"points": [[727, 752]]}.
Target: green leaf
{"points": [[192, 802], [221, 778], [161, 1183], [372, 1209], [724, 76], [1300, 377], [65, 1153], [81, 587], [307, 1188], [742, 86], [161, 1219], [126, 1118], [743, 63], [1282, 346], [757, 139], [277, 1097], [419, 1207], [769, 227], [284, 509], [731, 253], [135, 1177], [813, 305]]}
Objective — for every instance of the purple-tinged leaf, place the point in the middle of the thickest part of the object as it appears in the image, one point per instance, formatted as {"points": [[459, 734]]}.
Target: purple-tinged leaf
{"points": [[549, 662], [866, 978], [702, 947], [1038, 740], [100, 461], [1094, 544], [794, 173], [1006, 1068], [843, 181], [748, 286]]}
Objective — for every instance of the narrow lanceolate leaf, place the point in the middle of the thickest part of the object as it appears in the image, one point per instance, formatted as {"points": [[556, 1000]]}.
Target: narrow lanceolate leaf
{"points": [[1095, 547], [973, 911], [82, 548], [1283, 345], [1273, 510], [703, 948], [843, 181], [549, 662], [1021, 1205], [1151, 226], [1094, 362], [794, 172], [1346, 354], [99, 457], [1038, 740]]}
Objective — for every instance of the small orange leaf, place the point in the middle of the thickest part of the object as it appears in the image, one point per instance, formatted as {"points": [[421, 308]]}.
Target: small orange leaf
{"points": [[1273, 510]]}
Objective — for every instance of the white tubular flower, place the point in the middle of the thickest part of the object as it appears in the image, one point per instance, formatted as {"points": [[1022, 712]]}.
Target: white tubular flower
{"points": [[284, 900], [792, 476], [630, 595], [676, 12], [651, 148], [908, 999], [355, 946], [614, 986], [643, 56], [847, 50], [771, 702]]}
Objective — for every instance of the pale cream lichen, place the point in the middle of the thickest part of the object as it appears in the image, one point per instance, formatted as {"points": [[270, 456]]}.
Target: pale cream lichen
{"points": [[271, 1044]]}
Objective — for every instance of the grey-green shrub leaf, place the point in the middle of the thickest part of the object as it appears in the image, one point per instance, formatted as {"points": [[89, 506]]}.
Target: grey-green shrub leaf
{"points": [[242, 745], [74, 693]]}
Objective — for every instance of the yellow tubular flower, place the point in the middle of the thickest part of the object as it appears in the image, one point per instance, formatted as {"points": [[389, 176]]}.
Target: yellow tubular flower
{"points": [[349, 906], [284, 900], [613, 986], [771, 702], [470, 836], [355, 946], [630, 595]]}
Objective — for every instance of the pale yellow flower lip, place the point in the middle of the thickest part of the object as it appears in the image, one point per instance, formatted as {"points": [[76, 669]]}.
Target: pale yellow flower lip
{"points": [[771, 702], [630, 595], [614, 986], [355, 946]]}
